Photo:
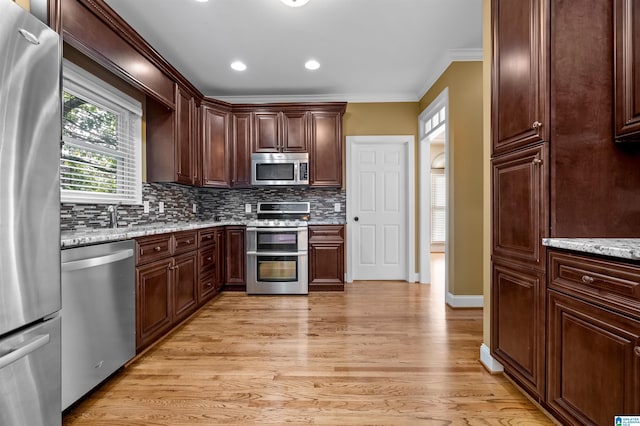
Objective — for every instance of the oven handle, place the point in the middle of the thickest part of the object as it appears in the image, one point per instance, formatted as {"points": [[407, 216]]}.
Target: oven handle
{"points": [[275, 229], [277, 253]]}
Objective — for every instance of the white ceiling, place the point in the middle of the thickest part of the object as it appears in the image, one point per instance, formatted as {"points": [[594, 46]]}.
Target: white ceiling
{"points": [[369, 50]]}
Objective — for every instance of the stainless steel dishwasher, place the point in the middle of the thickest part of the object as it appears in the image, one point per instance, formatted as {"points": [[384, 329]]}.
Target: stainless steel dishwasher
{"points": [[98, 315]]}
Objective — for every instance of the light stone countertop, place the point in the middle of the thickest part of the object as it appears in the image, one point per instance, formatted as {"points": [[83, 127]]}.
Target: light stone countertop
{"points": [[622, 248], [94, 236]]}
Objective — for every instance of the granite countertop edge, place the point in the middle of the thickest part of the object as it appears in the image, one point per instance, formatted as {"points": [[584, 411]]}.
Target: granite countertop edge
{"points": [[622, 248], [85, 237]]}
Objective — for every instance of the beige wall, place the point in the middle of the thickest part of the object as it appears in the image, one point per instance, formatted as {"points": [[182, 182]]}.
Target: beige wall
{"points": [[24, 3], [465, 215]]}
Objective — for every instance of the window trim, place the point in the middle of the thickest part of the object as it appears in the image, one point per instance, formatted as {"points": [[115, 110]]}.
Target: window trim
{"points": [[80, 82]]}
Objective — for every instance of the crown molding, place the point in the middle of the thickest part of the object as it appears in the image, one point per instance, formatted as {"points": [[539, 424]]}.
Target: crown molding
{"points": [[336, 97], [450, 56]]}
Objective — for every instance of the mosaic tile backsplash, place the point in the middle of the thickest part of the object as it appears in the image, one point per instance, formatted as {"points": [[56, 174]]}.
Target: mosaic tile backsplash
{"points": [[219, 204]]}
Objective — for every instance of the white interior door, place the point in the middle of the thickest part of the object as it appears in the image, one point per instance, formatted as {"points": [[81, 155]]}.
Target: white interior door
{"points": [[378, 211]]}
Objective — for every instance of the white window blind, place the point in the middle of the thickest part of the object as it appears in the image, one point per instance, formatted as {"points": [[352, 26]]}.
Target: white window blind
{"points": [[438, 208], [102, 142]]}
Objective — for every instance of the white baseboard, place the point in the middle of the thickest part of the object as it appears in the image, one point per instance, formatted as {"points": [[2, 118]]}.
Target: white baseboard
{"points": [[488, 361], [415, 278], [464, 301]]}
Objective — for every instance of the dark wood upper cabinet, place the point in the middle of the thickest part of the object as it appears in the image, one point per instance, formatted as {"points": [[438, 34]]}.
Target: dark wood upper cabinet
{"points": [[520, 73], [294, 131], [267, 128], [185, 145], [627, 66], [216, 150], [280, 131], [242, 144], [325, 148]]}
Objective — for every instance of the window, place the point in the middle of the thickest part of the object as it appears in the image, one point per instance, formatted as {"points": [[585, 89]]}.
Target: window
{"points": [[102, 142], [438, 206]]}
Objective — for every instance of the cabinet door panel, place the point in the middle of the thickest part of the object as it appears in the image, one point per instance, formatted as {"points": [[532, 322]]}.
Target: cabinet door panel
{"points": [[153, 316], [326, 264], [235, 273], [185, 290], [267, 132], [520, 103], [627, 79], [294, 131], [593, 368], [517, 324], [184, 139], [215, 148], [520, 200], [242, 131], [326, 149]]}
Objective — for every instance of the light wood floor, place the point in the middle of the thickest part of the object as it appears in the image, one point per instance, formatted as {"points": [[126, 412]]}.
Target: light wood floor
{"points": [[381, 353]]}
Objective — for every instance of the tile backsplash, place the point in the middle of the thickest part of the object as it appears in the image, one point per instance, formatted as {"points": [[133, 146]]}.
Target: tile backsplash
{"points": [[225, 204]]}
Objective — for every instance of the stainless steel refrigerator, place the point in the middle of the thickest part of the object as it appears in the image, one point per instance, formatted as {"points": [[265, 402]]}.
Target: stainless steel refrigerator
{"points": [[29, 220]]}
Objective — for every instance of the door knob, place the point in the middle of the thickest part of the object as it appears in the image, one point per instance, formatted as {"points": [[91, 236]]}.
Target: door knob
{"points": [[356, 218]]}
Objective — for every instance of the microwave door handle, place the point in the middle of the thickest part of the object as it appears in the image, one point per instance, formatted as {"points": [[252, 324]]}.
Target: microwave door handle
{"points": [[296, 176]]}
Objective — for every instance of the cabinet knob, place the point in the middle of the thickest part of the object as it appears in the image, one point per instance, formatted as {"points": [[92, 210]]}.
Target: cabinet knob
{"points": [[208, 237], [536, 161], [587, 279], [209, 259], [188, 241], [637, 350], [536, 125], [157, 248], [172, 268]]}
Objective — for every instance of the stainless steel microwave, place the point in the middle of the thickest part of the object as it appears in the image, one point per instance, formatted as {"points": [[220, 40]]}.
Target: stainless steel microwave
{"points": [[287, 168]]}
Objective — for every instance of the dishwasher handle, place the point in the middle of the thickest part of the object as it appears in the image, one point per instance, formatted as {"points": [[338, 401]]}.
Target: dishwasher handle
{"points": [[20, 352], [92, 262]]}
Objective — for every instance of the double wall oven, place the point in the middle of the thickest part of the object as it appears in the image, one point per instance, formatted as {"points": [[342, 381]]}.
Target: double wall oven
{"points": [[277, 249]]}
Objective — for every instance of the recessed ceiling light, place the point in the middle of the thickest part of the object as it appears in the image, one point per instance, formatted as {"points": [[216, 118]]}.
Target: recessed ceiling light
{"points": [[312, 64], [238, 66], [295, 3]]}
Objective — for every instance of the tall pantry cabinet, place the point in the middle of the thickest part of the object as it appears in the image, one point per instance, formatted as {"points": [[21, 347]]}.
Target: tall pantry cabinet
{"points": [[557, 170]]}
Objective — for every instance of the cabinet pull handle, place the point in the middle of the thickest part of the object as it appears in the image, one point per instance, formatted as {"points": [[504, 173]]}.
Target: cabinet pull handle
{"points": [[157, 248], [587, 279], [637, 350], [536, 125]]}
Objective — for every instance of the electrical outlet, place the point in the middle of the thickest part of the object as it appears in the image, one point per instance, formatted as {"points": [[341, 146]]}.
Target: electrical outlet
{"points": [[161, 207], [247, 208], [336, 207], [145, 206], [195, 208]]}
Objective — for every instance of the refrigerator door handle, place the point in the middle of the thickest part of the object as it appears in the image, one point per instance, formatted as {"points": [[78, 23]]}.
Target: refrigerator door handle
{"points": [[92, 262], [23, 350]]}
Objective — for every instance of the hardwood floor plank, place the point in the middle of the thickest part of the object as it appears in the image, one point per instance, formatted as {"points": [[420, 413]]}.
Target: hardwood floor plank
{"points": [[381, 353]]}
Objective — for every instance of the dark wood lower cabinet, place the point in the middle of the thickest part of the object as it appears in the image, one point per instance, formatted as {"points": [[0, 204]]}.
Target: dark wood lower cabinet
{"points": [[326, 257], [518, 324], [185, 285], [153, 301], [235, 270], [593, 363]]}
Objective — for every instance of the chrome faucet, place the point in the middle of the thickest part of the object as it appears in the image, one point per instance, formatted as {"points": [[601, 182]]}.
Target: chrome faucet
{"points": [[113, 216]]}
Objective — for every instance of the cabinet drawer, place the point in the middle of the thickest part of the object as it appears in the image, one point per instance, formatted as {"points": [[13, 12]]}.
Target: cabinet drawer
{"points": [[185, 241], [318, 233], [613, 284], [207, 237], [153, 248], [207, 261]]}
